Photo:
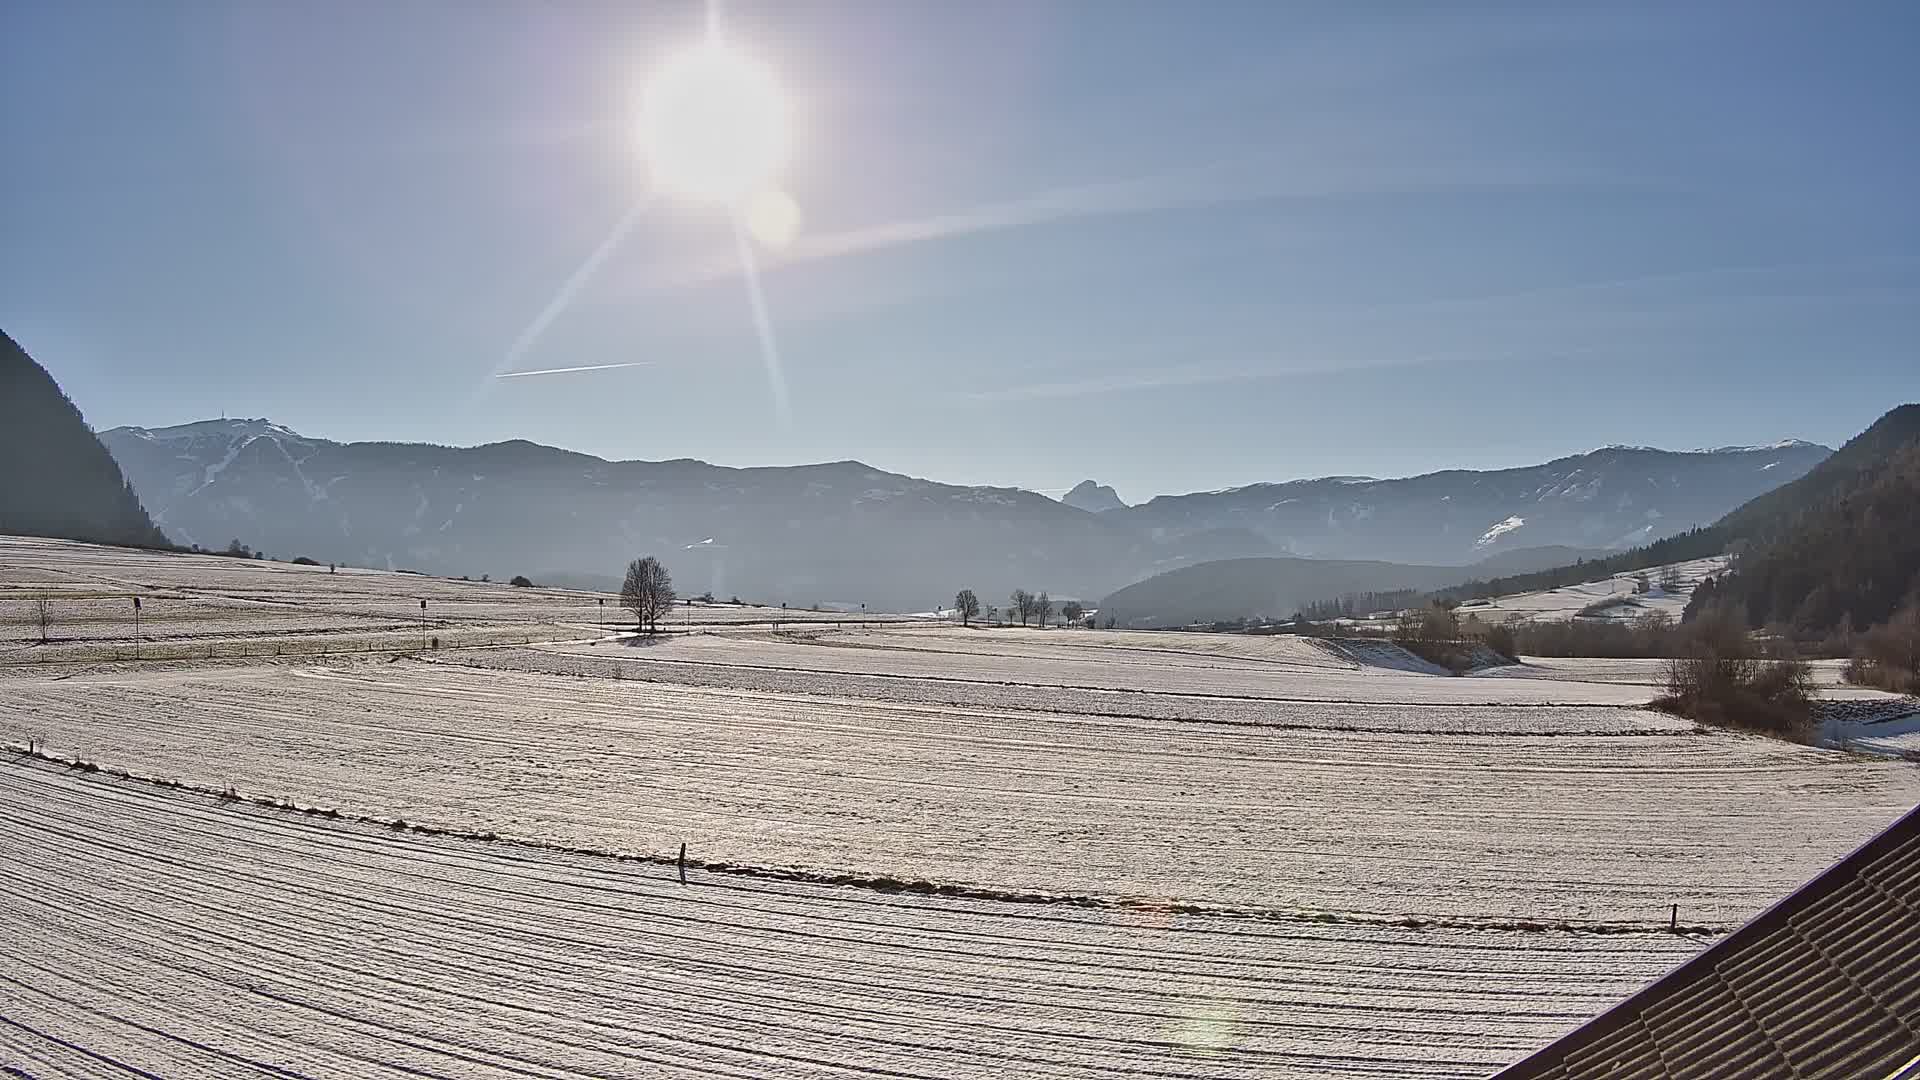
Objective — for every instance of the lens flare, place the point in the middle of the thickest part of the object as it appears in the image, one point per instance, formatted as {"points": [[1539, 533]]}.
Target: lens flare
{"points": [[773, 219], [715, 125]]}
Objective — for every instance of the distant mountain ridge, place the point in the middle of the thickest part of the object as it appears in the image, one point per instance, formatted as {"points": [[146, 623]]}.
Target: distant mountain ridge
{"points": [[844, 532], [1836, 546], [1093, 498], [1613, 497], [1275, 588], [837, 532], [56, 479]]}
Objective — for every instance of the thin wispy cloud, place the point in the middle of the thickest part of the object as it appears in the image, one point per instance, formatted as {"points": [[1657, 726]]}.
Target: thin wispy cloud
{"points": [[1113, 384], [568, 370], [1221, 185], [1734, 272], [1124, 382]]}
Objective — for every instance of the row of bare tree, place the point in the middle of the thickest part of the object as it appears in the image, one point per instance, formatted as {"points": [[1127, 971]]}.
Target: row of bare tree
{"points": [[1022, 605]]}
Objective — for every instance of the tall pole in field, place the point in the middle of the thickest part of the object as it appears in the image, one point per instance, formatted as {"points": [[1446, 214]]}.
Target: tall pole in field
{"points": [[136, 628], [423, 622], [603, 613]]}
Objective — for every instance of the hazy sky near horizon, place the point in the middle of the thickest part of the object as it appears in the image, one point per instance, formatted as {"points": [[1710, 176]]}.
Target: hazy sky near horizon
{"points": [[1169, 247]]}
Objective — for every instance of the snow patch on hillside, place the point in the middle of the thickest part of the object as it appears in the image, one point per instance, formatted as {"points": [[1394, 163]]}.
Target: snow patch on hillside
{"points": [[1500, 530], [214, 470], [1617, 592]]}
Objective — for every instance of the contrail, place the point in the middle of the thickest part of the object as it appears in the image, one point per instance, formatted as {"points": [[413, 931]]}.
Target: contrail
{"points": [[776, 379], [564, 370], [567, 291]]}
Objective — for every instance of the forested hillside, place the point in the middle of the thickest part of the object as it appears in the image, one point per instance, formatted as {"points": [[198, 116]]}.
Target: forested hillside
{"points": [[1843, 564], [55, 477], [1831, 518]]}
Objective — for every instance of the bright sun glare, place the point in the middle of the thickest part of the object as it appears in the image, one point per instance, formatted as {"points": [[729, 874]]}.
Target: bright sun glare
{"points": [[714, 125]]}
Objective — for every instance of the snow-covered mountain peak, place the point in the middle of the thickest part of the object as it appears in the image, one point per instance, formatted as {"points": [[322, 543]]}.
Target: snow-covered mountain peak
{"points": [[232, 429], [1777, 444]]}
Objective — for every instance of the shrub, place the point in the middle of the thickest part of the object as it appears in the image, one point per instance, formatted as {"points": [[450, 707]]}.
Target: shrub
{"points": [[1606, 604], [1501, 640], [1888, 656], [1770, 696], [302, 560], [1455, 656], [1431, 623], [1652, 634], [521, 581], [1722, 681]]}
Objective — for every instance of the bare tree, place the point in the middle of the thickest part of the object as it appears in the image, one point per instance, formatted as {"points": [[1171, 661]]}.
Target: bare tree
{"points": [[1020, 605], [1072, 612], [1432, 623], [647, 592], [1042, 609], [1670, 581], [43, 614], [967, 606]]}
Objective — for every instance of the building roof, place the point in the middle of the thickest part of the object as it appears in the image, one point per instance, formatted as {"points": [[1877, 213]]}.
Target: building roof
{"points": [[1825, 983]]}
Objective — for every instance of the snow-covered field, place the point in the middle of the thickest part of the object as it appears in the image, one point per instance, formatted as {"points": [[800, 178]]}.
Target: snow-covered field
{"points": [[1056, 658], [1464, 812], [156, 933], [1559, 605], [1651, 672], [211, 606], [1260, 856]]}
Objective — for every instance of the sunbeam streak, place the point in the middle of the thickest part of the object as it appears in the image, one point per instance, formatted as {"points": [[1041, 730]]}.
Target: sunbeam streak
{"points": [[571, 288], [776, 378]]}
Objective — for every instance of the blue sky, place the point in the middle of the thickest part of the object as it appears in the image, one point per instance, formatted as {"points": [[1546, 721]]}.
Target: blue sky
{"points": [[1166, 246]]}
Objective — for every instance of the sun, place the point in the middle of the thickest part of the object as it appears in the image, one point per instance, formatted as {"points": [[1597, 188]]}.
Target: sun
{"points": [[715, 125]]}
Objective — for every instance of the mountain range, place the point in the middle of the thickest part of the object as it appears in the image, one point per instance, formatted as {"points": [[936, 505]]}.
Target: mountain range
{"points": [[1232, 589], [846, 533], [1615, 497]]}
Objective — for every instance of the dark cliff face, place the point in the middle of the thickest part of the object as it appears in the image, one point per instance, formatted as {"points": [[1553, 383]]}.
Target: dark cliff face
{"points": [[56, 479]]}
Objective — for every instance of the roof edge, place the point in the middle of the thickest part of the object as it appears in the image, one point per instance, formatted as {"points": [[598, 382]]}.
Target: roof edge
{"points": [[1759, 926]]}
